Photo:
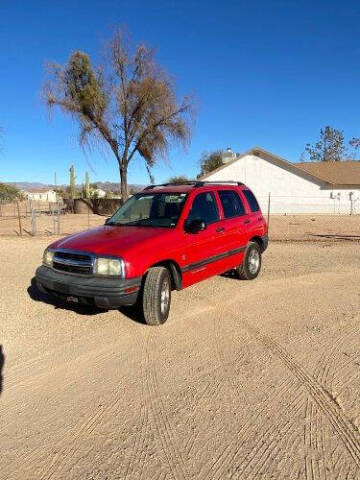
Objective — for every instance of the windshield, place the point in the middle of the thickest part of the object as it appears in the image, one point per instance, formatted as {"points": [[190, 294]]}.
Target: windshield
{"points": [[150, 210]]}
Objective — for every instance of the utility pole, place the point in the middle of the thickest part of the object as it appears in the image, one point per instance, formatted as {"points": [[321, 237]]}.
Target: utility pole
{"points": [[55, 183]]}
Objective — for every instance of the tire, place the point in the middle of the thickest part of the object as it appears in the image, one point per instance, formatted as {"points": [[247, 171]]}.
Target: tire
{"points": [[251, 266], [157, 296]]}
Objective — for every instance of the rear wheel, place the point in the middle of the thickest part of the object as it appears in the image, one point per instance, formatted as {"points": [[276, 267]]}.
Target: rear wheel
{"points": [[251, 266], [157, 296]]}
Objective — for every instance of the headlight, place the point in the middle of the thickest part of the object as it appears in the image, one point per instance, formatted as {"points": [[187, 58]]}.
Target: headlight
{"points": [[48, 257], [110, 266]]}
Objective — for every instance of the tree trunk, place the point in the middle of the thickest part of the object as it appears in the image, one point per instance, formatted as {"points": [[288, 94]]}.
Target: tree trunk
{"points": [[123, 180]]}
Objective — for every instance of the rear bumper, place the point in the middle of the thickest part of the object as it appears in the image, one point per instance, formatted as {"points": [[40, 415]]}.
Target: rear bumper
{"points": [[103, 292], [265, 242]]}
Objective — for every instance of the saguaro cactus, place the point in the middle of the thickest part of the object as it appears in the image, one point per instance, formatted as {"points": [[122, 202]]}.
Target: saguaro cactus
{"points": [[72, 181], [87, 185]]}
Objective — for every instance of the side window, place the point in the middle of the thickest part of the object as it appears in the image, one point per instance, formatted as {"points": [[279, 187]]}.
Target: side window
{"points": [[231, 203], [204, 208], [253, 203]]}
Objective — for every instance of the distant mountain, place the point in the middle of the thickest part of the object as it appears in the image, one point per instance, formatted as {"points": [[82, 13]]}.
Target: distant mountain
{"points": [[29, 185], [111, 186], [106, 186]]}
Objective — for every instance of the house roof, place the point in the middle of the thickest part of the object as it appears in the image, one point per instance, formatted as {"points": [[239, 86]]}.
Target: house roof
{"points": [[339, 173], [38, 190], [332, 173]]}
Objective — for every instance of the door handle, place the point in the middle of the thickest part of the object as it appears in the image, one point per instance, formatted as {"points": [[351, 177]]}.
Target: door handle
{"points": [[220, 229], [246, 221]]}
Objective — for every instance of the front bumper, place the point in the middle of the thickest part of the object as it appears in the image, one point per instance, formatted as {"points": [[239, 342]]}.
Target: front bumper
{"points": [[103, 292]]}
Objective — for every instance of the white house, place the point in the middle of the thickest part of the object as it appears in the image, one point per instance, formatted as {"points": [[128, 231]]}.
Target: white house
{"points": [[41, 195], [324, 187], [98, 193]]}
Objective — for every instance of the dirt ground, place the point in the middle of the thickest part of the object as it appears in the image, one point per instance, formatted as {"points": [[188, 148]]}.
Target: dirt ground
{"points": [[282, 227], [246, 380]]}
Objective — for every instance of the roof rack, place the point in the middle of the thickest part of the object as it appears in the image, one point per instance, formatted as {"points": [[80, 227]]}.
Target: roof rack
{"points": [[196, 183], [217, 182], [190, 182]]}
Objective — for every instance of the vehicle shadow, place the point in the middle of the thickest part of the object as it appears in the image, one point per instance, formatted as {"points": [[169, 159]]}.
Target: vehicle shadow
{"points": [[134, 313], [2, 361], [230, 274], [57, 303]]}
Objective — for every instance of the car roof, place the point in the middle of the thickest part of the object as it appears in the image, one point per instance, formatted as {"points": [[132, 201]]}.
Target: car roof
{"points": [[167, 188], [185, 188]]}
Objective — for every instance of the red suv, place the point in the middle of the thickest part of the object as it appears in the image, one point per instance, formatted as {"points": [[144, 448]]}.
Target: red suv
{"points": [[166, 237]]}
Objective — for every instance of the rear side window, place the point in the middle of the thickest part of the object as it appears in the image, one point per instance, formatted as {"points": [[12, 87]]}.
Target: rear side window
{"points": [[253, 203], [231, 203], [204, 208]]}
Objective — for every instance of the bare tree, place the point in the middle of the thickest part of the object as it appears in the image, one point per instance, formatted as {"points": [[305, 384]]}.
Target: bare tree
{"points": [[355, 144], [330, 148], [135, 111], [210, 161], [179, 180]]}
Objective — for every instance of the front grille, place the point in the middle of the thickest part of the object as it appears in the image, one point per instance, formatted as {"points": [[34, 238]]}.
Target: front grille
{"points": [[73, 256], [72, 268], [72, 262]]}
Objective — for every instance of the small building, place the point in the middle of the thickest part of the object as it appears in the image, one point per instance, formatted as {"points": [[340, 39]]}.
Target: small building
{"points": [[299, 188], [98, 193], [228, 155], [41, 195]]}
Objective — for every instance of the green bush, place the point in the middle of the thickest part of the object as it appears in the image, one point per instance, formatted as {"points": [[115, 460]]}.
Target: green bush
{"points": [[9, 193]]}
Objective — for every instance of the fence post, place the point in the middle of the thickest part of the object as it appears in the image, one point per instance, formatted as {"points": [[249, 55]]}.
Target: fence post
{"points": [[59, 218], [33, 221], [19, 218], [351, 194], [268, 213]]}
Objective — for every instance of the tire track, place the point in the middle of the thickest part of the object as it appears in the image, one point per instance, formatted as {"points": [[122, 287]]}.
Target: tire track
{"points": [[345, 430], [274, 448], [228, 366], [230, 452], [314, 438], [218, 467], [62, 447], [161, 421], [64, 457], [141, 449], [66, 447]]}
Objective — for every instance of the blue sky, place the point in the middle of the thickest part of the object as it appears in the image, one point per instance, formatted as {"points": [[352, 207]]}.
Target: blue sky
{"points": [[267, 73]]}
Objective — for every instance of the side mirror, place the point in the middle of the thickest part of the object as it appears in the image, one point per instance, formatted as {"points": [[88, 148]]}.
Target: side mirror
{"points": [[195, 226]]}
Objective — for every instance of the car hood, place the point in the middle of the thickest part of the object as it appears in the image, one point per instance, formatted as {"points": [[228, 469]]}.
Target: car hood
{"points": [[111, 240]]}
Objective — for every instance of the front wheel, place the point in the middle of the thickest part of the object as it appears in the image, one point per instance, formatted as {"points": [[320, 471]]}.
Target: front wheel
{"points": [[157, 296], [250, 268]]}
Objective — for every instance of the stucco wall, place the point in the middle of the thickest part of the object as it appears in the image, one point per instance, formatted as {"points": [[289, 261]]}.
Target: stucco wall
{"points": [[49, 196], [290, 193]]}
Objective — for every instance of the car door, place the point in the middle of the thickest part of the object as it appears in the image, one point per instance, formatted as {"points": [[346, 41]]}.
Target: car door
{"points": [[256, 221], [201, 250], [235, 224]]}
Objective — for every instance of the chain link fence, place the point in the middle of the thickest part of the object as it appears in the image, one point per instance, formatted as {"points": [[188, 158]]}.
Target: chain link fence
{"points": [[289, 218], [317, 205], [31, 218]]}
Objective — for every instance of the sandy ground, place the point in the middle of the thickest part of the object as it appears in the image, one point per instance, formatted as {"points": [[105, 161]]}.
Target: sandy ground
{"points": [[282, 227], [246, 380]]}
